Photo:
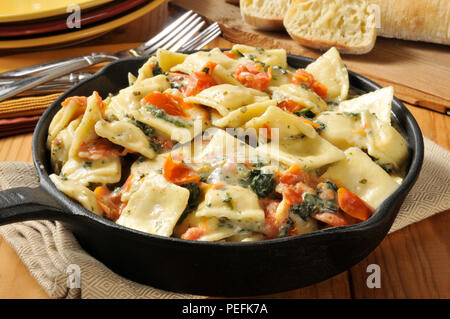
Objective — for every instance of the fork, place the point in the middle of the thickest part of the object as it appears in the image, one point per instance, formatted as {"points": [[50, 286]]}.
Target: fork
{"points": [[66, 81], [173, 37]]}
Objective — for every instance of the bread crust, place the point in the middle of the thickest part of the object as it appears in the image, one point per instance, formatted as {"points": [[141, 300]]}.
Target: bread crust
{"points": [[325, 45], [264, 15], [424, 20], [321, 43], [265, 24]]}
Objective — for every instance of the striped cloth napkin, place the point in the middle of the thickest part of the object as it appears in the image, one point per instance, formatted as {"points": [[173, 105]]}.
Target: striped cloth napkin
{"points": [[24, 110], [20, 115]]}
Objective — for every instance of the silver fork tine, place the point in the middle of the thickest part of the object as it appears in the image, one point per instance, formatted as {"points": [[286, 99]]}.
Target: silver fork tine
{"points": [[208, 40], [211, 34], [205, 33], [166, 31], [188, 36], [174, 33], [174, 37], [191, 44], [197, 23]]}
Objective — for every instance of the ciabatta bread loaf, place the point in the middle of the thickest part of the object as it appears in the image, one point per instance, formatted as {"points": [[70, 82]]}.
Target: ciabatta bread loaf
{"points": [[348, 25], [264, 14], [418, 20]]}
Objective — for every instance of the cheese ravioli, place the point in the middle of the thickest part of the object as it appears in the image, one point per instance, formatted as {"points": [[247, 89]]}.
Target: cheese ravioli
{"points": [[229, 145]]}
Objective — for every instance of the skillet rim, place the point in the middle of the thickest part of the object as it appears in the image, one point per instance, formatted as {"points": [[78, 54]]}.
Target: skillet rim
{"points": [[382, 213]]}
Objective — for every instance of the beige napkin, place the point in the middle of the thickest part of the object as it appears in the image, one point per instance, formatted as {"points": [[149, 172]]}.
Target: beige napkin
{"points": [[48, 250]]}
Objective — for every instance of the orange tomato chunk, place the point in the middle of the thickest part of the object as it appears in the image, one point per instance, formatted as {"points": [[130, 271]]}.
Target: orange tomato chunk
{"points": [[320, 89], [331, 218], [179, 173], [169, 103], [295, 174], [200, 81], [353, 205], [109, 202], [230, 54], [271, 224], [301, 77], [253, 76], [194, 233], [306, 121], [80, 100], [98, 149], [290, 106]]}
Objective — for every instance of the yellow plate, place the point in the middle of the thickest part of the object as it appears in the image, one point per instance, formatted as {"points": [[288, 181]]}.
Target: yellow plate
{"points": [[24, 10], [87, 33]]}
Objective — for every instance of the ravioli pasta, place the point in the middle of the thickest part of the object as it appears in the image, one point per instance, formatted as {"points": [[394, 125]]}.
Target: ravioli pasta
{"points": [[229, 146]]}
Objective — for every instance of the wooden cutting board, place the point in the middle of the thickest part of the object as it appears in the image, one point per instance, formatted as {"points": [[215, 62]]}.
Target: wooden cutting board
{"points": [[419, 72]]}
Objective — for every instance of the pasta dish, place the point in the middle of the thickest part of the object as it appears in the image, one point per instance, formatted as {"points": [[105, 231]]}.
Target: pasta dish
{"points": [[230, 146]]}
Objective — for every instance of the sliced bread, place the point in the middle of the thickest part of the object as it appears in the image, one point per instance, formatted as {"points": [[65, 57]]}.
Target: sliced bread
{"points": [[347, 25], [425, 20], [264, 14]]}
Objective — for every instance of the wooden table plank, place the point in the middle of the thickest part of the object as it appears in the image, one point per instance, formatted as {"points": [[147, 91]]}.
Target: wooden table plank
{"points": [[435, 126], [414, 263], [337, 287], [16, 282]]}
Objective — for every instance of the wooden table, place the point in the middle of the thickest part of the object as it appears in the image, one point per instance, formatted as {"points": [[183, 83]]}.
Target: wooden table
{"points": [[414, 261]]}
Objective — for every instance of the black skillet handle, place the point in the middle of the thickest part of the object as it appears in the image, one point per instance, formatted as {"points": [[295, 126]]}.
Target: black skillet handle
{"points": [[25, 203]]}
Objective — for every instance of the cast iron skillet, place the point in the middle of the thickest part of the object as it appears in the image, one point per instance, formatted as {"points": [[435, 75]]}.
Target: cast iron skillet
{"points": [[215, 269]]}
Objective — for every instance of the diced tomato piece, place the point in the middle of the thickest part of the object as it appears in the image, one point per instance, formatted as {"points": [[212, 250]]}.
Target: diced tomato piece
{"points": [[354, 206], [127, 185], [301, 77], [306, 121], [109, 202], [290, 106], [291, 176], [252, 75], [171, 104], [166, 143], [271, 224], [292, 194], [331, 218], [179, 173], [80, 100], [98, 149], [295, 174], [230, 54], [209, 67], [320, 89], [200, 81], [194, 233]]}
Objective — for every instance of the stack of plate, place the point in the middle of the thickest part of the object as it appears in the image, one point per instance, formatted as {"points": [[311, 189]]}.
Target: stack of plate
{"points": [[32, 23]]}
